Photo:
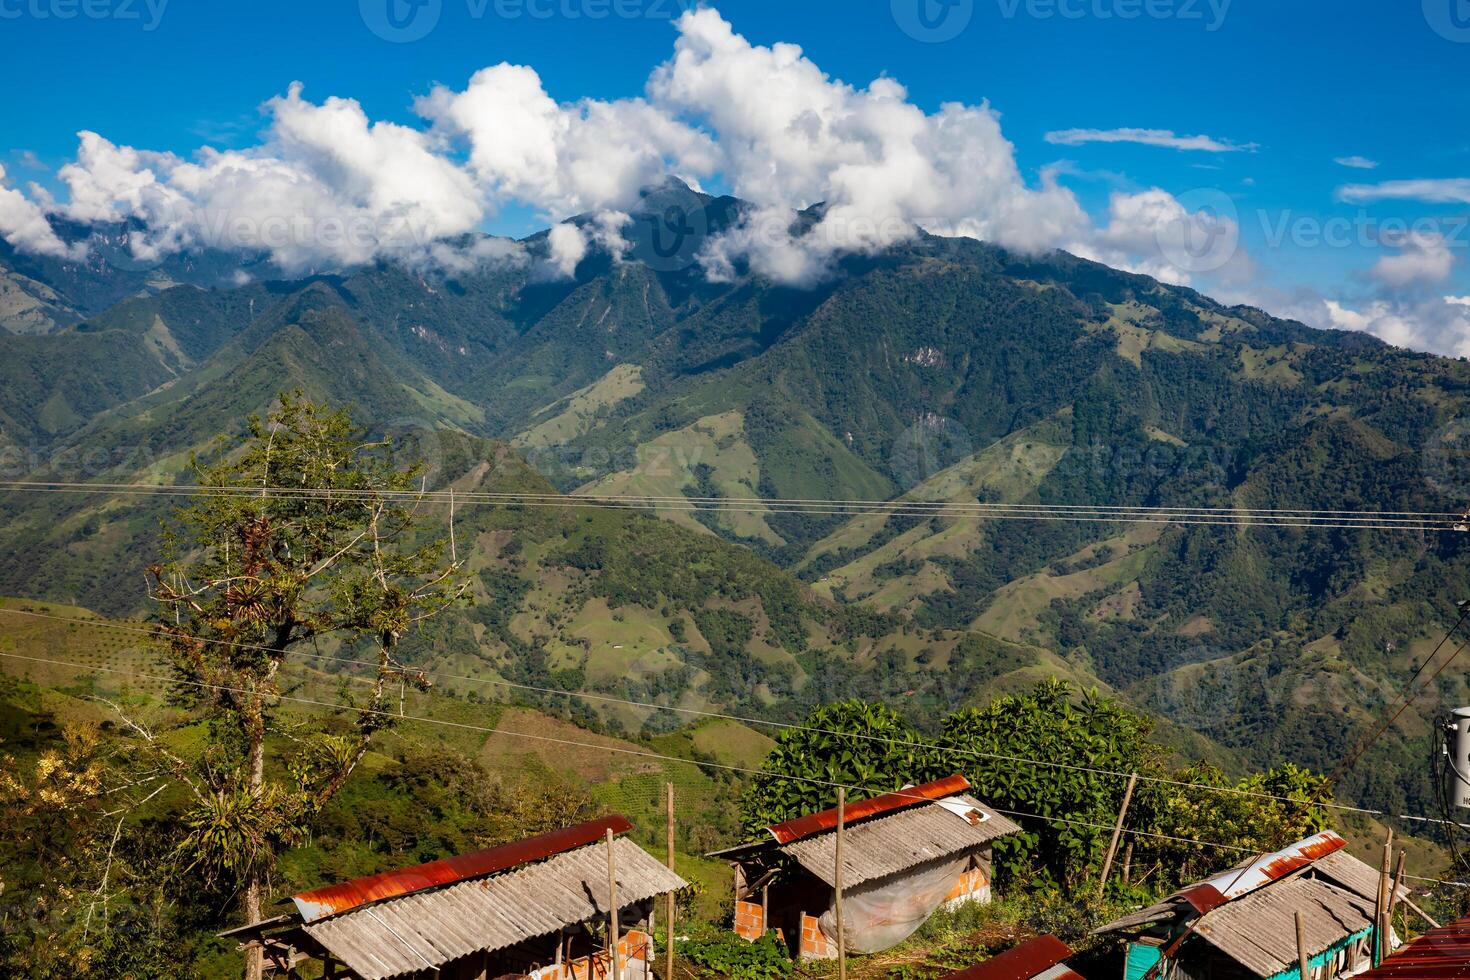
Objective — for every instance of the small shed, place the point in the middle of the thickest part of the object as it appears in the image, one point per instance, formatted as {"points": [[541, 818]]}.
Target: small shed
{"points": [[1038, 958], [534, 908], [904, 855], [1241, 924]]}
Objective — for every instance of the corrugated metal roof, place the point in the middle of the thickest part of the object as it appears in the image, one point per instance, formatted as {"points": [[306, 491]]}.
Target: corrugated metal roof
{"points": [[818, 823], [332, 899], [1439, 954], [1032, 958], [899, 841], [1258, 930], [1205, 896], [429, 929]]}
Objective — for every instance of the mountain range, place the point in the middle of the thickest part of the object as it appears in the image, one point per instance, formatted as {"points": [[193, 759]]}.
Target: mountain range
{"points": [[940, 369]]}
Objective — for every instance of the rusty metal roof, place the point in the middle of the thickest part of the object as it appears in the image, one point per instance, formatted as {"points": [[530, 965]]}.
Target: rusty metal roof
{"points": [[1323, 853], [1439, 954], [426, 930], [1036, 957], [333, 899], [897, 841], [818, 823], [1258, 931]]}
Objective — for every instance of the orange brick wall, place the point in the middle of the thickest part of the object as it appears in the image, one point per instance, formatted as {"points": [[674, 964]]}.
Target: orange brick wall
{"points": [[814, 942], [972, 886], [633, 945], [750, 920]]}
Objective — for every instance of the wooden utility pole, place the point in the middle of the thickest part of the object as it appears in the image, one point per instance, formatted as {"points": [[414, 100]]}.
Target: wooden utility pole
{"points": [[1102, 881], [669, 905], [1393, 892], [1303, 962], [1380, 907], [841, 931], [612, 909]]}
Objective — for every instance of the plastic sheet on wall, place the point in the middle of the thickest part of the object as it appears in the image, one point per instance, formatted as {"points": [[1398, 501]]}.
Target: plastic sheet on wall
{"points": [[881, 914]]}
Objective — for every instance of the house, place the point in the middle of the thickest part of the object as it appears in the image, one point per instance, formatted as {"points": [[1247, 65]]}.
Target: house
{"points": [[1241, 924], [1040, 958], [535, 907], [904, 855]]}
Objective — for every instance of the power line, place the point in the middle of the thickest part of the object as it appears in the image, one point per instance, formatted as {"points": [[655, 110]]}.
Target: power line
{"points": [[640, 753], [1441, 522], [743, 719]]}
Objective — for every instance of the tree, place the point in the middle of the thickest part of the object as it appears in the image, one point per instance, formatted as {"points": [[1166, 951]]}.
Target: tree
{"points": [[850, 743], [1049, 723], [1262, 812], [305, 529]]}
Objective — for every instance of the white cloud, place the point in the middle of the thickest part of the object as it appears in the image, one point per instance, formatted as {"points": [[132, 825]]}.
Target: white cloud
{"points": [[563, 159], [328, 187], [1423, 259], [793, 136], [23, 224], [1454, 190], [567, 246], [1435, 324], [1356, 162], [1148, 137]]}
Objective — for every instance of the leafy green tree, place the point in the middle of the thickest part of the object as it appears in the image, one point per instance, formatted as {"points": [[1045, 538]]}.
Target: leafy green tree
{"points": [[850, 743], [1079, 806], [1264, 812], [305, 530]]}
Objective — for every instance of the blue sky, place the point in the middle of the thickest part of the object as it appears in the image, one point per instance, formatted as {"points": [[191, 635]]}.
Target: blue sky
{"points": [[1296, 85]]}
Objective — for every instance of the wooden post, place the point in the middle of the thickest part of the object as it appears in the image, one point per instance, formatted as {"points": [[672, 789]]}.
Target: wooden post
{"points": [[612, 909], [1128, 863], [841, 932], [1381, 905], [1102, 880], [1303, 961], [669, 905], [1393, 892]]}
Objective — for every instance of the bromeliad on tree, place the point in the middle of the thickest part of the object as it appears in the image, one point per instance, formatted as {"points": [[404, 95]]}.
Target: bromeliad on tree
{"points": [[305, 529]]}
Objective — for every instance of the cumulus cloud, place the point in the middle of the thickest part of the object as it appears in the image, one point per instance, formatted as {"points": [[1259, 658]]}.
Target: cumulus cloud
{"points": [[566, 247], [882, 167], [1356, 162], [1453, 190], [1436, 324], [328, 187], [563, 159], [1148, 137], [1422, 259], [23, 224]]}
